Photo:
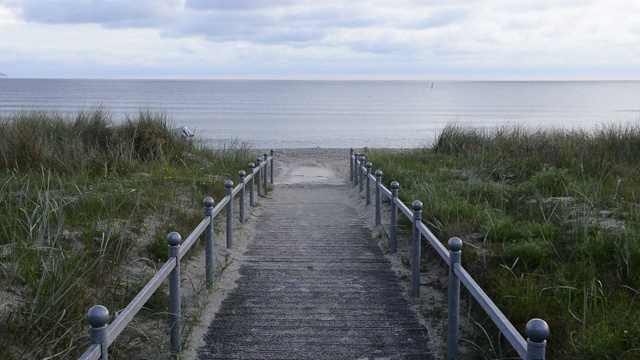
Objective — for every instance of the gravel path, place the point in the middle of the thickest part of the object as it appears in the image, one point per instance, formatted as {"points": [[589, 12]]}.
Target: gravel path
{"points": [[311, 282]]}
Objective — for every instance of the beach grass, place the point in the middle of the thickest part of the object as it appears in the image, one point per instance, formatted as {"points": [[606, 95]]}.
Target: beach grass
{"points": [[550, 224], [87, 202]]}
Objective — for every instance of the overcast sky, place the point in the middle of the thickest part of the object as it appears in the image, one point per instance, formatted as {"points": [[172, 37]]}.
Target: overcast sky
{"points": [[413, 39]]}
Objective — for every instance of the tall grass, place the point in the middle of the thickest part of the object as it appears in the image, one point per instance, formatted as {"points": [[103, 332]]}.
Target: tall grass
{"points": [[86, 203], [553, 214]]}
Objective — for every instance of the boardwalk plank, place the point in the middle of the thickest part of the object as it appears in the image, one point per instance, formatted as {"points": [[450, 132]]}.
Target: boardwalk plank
{"points": [[313, 288]]}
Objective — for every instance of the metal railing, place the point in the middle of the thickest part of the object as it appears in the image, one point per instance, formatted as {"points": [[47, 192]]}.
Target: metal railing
{"points": [[536, 330], [103, 335]]}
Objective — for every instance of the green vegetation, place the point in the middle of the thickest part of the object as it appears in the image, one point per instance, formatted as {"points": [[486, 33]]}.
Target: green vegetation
{"points": [[85, 207], [550, 224]]}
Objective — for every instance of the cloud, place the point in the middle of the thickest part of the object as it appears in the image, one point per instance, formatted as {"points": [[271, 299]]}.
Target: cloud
{"points": [[328, 36], [236, 4], [125, 13]]}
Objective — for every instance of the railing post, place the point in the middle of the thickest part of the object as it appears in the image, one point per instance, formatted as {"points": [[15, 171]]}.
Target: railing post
{"points": [[174, 240], [395, 186], [361, 172], [355, 169], [229, 185], [537, 332], [351, 165], [241, 175], [368, 195], [258, 171], [271, 168], [378, 197], [208, 239], [455, 256], [415, 250], [266, 171], [252, 170], [97, 317]]}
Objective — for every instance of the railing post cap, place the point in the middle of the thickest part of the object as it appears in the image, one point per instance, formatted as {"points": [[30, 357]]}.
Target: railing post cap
{"points": [[537, 330], [395, 185], [98, 316], [368, 165], [265, 155], [351, 149], [252, 165], [379, 173], [208, 202], [272, 152], [259, 159], [362, 157], [417, 205], [242, 173], [228, 184], [455, 244], [174, 238]]}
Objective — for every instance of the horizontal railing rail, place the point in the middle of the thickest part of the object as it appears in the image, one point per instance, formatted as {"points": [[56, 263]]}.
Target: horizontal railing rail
{"points": [[536, 330], [103, 335]]}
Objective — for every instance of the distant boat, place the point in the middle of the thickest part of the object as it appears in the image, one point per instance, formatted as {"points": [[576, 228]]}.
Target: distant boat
{"points": [[432, 85]]}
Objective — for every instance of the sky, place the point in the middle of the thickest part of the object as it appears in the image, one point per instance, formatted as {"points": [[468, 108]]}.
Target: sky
{"points": [[322, 39]]}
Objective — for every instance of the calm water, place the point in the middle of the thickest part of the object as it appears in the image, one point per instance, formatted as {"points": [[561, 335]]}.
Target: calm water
{"points": [[285, 114]]}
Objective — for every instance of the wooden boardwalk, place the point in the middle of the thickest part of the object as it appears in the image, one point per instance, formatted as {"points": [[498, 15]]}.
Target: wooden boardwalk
{"points": [[314, 285]]}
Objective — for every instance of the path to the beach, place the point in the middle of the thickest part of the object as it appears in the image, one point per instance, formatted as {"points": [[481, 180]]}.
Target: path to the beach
{"points": [[312, 282]]}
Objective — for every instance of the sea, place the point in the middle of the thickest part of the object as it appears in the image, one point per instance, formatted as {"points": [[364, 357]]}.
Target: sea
{"points": [[334, 114]]}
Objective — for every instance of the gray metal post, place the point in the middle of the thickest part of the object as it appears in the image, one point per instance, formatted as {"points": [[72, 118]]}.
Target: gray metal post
{"points": [[378, 197], [208, 239], [241, 174], [97, 317], [361, 172], [455, 255], [252, 170], [395, 186], [259, 175], [351, 165], [266, 177], [229, 185], [537, 332], [174, 240], [355, 169], [415, 250], [368, 195], [272, 152]]}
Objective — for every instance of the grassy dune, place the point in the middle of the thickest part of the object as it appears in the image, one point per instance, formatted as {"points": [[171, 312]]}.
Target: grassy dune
{"points": [[550, 221], [86, 203]]}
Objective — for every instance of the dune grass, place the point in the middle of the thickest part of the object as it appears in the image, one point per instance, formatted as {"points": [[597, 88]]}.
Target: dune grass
{"points": [[550, 224], [86, 203]]}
